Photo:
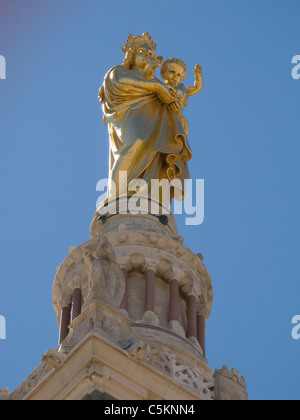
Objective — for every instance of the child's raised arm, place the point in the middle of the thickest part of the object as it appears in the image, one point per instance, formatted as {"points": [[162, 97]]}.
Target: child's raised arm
{"points": [[198, 85]]}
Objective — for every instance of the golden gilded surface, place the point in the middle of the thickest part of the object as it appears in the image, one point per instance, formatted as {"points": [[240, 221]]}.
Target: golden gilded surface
{"points": [[147, 131]]}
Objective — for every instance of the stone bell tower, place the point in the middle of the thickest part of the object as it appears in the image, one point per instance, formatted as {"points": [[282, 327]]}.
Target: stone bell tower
{"points": [[131, 305]]}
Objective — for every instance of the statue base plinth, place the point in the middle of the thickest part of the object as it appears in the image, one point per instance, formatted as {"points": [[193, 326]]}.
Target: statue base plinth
{"points": [[142, 214]]}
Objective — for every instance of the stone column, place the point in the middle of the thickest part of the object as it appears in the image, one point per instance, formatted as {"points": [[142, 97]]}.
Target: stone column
{"points": [[124, 303], [150, 291], [191, 316], [64, 323], [77, 303], [201, 331], [174, 301]]}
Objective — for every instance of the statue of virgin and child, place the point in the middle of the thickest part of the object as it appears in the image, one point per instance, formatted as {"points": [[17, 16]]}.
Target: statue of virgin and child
{"points": [[147, 130]]}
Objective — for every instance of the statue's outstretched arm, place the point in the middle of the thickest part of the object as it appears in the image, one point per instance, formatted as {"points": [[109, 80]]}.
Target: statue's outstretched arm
{"points": [[198, 85]]}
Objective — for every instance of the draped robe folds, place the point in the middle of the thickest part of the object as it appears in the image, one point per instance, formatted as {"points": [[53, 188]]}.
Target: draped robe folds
{"points": [[147, 138]]}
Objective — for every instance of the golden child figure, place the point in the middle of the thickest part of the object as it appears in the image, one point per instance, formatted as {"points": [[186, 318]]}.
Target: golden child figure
{"points": [[173, 72]]}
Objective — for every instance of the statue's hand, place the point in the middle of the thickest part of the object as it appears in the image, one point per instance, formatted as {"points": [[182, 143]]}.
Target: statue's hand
{"points": [[166, 93], [172, 90], [174, 106], [101, 95], [158, 60], [198, 69]]}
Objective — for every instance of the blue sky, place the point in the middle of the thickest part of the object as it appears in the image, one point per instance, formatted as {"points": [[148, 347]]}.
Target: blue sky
{"points": [[244, 134]]}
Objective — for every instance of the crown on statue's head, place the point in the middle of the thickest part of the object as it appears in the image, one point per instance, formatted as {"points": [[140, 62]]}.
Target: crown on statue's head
{"points": [[133, 41]]}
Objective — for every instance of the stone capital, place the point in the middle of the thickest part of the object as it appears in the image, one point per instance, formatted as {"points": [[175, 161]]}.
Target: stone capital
{"points": [[202, 308], [63, 303], [136, 262], [190, 286], [150, 266], [76, 282], [164, 269]]}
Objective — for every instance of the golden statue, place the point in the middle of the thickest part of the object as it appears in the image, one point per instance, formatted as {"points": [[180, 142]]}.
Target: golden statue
{"points": [[173, 72], [148, 133]]}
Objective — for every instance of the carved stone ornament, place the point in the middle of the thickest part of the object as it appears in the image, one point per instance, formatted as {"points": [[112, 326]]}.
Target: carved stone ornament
{"points": [[4, 394], [104, 274], [229, 385], [53, 358]]}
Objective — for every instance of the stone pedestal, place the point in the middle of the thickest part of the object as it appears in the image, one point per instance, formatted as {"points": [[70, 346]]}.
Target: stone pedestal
{"points": [[133, 291]]}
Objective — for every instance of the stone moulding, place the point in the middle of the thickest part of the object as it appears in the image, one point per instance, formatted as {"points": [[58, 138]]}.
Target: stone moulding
{"points": [[97, 364]]}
